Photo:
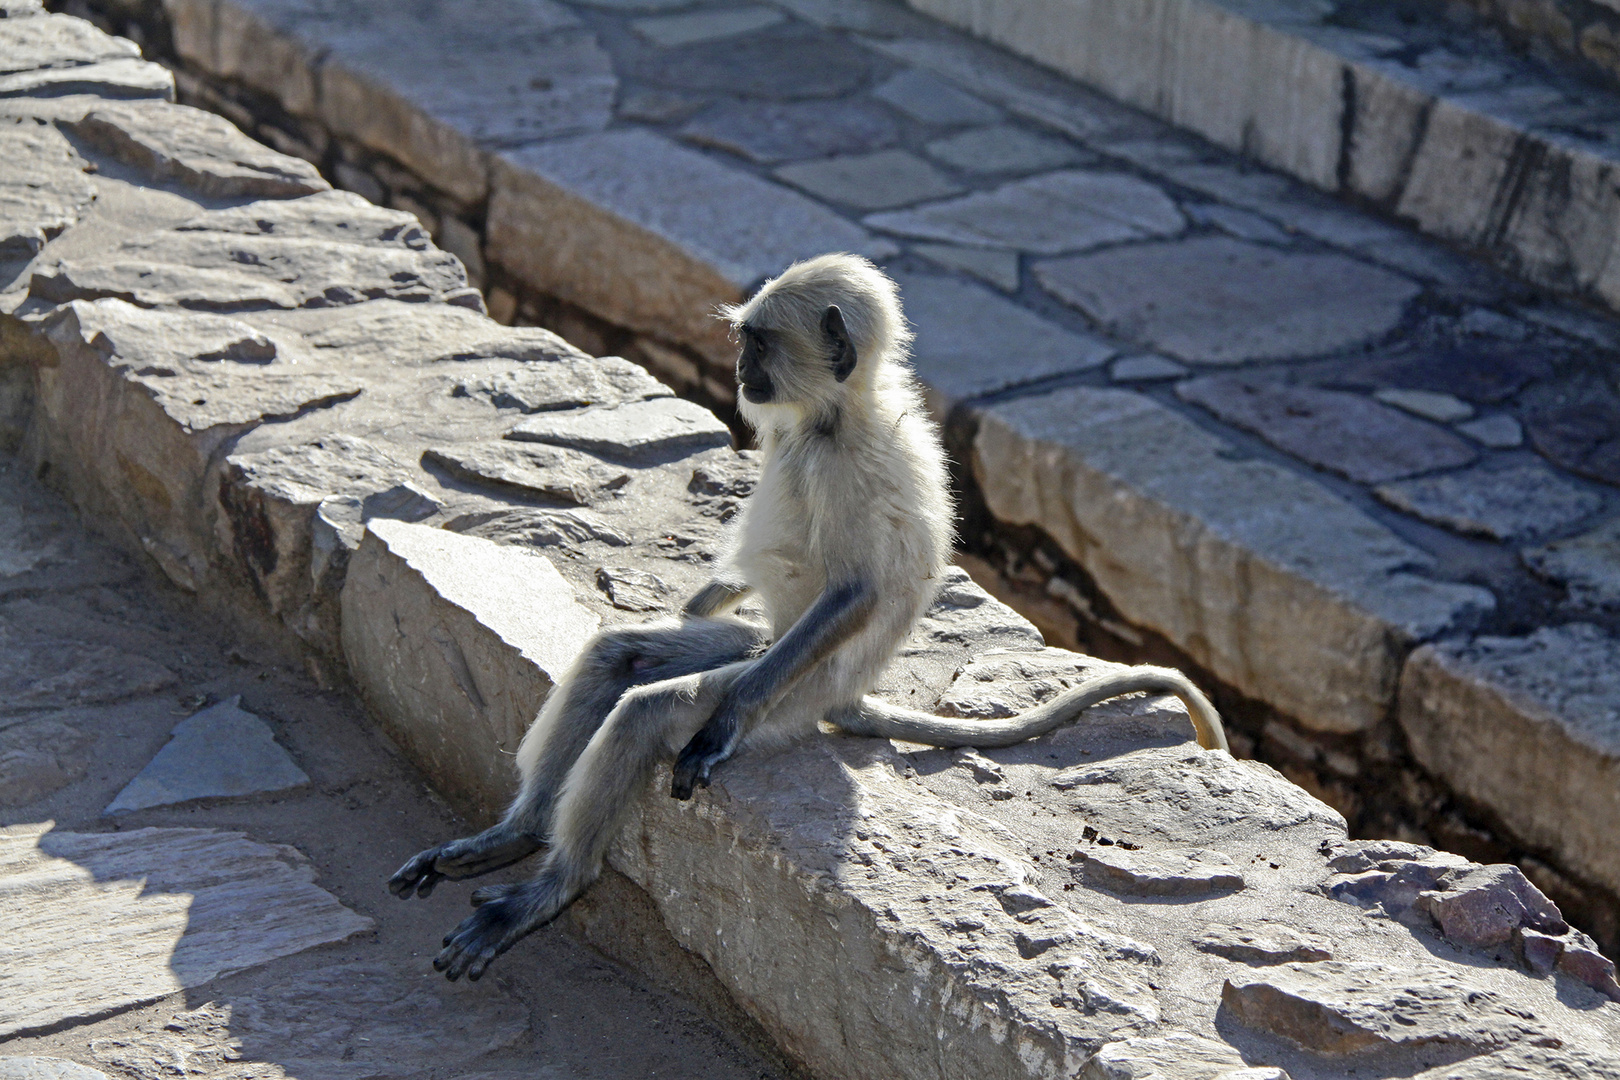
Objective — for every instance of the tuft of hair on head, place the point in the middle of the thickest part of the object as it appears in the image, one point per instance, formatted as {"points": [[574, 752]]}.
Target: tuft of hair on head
{"points": [[793, 304]]}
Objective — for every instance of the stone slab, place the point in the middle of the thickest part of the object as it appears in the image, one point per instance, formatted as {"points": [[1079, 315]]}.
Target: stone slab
{"points": [[1179, 1055], [1046, 215], [972, 342], [58, 41], [688, 232], [1500, 502], [222, 752], [998, 268], [639, 431], [1226, 557], [121, 78], [768, 132], [41, 672], [1003, 148], [200, 150], [39, 757], [1195, 872], [43, 187], [786, 62], [147, 913], [559, 475], [690, 28], [1499, 432], [557, 384], [1575, 422], [875, 181], [1331, 429], [1216, 300], [1146, 368], [46, 1068], [1343, 1008], [930, 99], [1501, 717], [455, 642], [1441, 408], [1587, 565], [1267, 944]]}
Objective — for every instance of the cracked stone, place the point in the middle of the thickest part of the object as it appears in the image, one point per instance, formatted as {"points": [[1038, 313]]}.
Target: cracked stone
{"points": [[1003, 148], [43, 187], [1442, 408], [1588, 566], [322, 250], [171, 908], [1347, 1007], [344, 1020], [539, 528], [638, 432], [1331, 429], [998, 268], [198, 149], [630, 589], [1221, 301], [1512, 502], [1268, 945], [769, 132], [1160, 873], [1576, 424], [932, 100], [960, 324], [558, 384], [38, 757], [224, 751], [670, 31], [1499, 432], [781, 63], [42, 672], [1480, 372], [870, 181], [1046, 215], [551, 473]]}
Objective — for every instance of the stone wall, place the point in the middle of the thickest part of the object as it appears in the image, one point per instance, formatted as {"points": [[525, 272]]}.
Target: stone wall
{"points": [[1417, 449], [287, 401]]}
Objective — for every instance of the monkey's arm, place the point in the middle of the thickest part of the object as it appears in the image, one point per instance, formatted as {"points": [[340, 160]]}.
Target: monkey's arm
{"points": [[878, 718], [837, 614], [715, 597]]}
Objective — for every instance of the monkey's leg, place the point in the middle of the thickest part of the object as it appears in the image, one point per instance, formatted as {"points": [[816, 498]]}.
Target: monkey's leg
{"points": [[646, 726], [613, 663]]}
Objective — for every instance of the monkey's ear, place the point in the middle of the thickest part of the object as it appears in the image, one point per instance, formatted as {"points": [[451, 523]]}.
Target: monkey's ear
{"points": [[843, 358]]}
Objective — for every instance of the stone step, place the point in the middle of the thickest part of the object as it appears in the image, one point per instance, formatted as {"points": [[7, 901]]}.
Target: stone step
{"points": [[1414, 444]]}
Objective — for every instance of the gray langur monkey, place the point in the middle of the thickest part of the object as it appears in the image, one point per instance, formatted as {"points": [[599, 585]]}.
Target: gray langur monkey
{"points": [[842, 543]]}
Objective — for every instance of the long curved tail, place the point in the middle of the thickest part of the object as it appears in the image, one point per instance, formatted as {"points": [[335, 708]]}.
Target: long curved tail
{"points": [[882, 720]]}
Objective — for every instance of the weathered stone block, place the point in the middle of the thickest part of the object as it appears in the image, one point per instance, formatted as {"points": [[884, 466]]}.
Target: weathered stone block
{"points": [[873, 181], [455, 641], [1500, 718], [1227, 558]]}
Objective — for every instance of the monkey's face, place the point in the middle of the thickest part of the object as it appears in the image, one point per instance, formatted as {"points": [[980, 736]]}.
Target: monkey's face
{"points": [[752, 374]]}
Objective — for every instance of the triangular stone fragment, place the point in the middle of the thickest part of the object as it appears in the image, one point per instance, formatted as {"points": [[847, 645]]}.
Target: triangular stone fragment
{"points": [[221, 752]]}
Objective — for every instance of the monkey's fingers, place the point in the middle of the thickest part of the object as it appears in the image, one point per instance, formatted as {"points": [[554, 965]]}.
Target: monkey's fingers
{"points": [[417, 876]]}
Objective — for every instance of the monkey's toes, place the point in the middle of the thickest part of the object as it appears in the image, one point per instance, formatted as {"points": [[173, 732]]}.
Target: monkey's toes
{"points": [[506, 915]]}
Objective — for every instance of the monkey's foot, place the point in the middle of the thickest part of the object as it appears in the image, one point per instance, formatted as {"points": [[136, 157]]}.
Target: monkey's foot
{"points": [[495, 847], [505, 915], [708, 748]]}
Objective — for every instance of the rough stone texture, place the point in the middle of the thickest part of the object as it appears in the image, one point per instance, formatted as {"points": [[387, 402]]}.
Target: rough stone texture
{"points": [[440, 630], [1587, 565], [1513, 502], [203, 151], [1220, 301], [564, 384], [50, 55], [1499, 717], [998, 268], [641, 432], [1147, 368], [147, 913], [1331, 429], [1002, 148], [39, 756], [42, 1068], [1160, 873], [1341, 1008], [1575, 422], [930, 99], [221, 752], [1270, 945], [687, 232], [874, 181], [971, 341], [1178, 1055], [768, 132], [1045, 215], [1227, 558], [43, 188]]}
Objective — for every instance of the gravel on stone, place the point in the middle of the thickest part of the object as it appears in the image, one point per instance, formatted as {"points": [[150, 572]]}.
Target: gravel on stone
{"points": [[1501, 502], [1221, 301]]}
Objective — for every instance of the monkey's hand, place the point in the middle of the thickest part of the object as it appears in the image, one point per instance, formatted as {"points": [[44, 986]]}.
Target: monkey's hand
{"points": [[715, 742], [495, 847], [506, 914]]}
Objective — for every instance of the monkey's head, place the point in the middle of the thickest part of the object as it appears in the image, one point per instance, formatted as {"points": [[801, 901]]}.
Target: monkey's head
{"points": [[814, 336]]}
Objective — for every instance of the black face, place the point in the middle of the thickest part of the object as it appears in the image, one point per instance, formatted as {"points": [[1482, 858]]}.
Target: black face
{"points": [[751, 374]]}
